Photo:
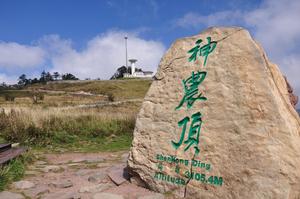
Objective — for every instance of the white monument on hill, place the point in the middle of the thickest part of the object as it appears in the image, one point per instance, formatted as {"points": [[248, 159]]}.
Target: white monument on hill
{"points": [[137, 74]]}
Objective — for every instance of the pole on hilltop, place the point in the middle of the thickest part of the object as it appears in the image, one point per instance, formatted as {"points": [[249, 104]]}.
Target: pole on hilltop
{"points": [[126, 51]]}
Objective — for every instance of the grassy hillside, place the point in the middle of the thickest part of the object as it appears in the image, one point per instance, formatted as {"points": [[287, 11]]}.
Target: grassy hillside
{"points": [[81, 116], [76, 92], [121, 89]]}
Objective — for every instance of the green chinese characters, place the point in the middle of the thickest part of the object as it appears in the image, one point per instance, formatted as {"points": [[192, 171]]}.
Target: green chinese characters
{"points": [[194, 133], [203, 51], [192, 124], [191, 91], [192, 94]]}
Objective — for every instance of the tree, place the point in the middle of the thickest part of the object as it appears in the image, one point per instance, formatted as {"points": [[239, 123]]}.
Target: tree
{"points": [[120, 72], [69, 76], [56, 75], [43, 76], [22, 80], [3, 86], [48, 77], [34, 81]]}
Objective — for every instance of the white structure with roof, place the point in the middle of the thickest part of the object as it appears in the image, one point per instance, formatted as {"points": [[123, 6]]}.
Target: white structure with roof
{"points": [[138, 74]]}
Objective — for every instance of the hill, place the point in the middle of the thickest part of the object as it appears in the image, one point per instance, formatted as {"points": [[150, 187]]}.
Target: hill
{"points": [[121, 89]]}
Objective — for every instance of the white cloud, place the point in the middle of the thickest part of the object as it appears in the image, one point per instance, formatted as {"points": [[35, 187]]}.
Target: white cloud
{"points": [[7, 79], [53, 45], [14, 55], [277, 28], [101, 56], [104, 54], [274, 24]]}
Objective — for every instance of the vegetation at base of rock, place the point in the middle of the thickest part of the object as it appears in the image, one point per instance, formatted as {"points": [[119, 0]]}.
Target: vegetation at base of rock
{"points": [[14, 170]]}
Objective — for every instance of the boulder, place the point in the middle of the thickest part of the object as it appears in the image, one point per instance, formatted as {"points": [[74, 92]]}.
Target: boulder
{"points": [[217, 122]]}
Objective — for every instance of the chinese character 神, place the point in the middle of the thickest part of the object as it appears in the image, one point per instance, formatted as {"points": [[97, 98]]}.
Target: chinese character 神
{"points": [[194, 133], [190, 86], [203, 51]]}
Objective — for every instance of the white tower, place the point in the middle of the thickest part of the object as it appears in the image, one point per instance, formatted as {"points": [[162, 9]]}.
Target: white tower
{"points": [[132, 62]]}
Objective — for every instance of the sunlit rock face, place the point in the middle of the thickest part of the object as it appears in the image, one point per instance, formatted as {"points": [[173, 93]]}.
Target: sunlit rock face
{"points": [[293, 98], [217, 122]]}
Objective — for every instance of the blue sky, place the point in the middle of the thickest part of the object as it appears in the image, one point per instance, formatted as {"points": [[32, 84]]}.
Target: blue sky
{"points": [[26, 21], [86, 37]]}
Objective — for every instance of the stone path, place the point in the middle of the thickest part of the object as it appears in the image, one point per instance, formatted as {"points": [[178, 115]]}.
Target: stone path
{"points": [[78, 175]]}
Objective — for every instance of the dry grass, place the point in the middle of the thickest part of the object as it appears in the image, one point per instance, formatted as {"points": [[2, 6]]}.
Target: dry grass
{"points": [[38, 114], [33, 125], [57, 120], [121, 89], [55, 100]]}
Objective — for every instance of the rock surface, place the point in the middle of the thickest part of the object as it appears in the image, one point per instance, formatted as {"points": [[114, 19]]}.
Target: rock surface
{"points": [[63, 195], [10, 195], [95, 188], [97, 177], [293, 98], [62, 184], [153, 196], [107, 196], [23, 184], [249, 144], [38, 191], [51, 168], [118, 175]]}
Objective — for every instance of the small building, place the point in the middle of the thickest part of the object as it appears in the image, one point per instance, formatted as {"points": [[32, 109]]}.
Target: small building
{"points": [[137, 74]]}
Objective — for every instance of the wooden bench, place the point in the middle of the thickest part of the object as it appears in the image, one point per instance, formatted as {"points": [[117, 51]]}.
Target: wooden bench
{"points": [[8, 153]]}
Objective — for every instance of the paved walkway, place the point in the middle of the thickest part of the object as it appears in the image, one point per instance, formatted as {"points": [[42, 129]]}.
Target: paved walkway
{"points": [[79, 175]]}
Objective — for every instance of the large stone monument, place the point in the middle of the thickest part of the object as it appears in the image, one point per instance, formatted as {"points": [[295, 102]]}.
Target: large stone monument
{"points": [[217, 122]]}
